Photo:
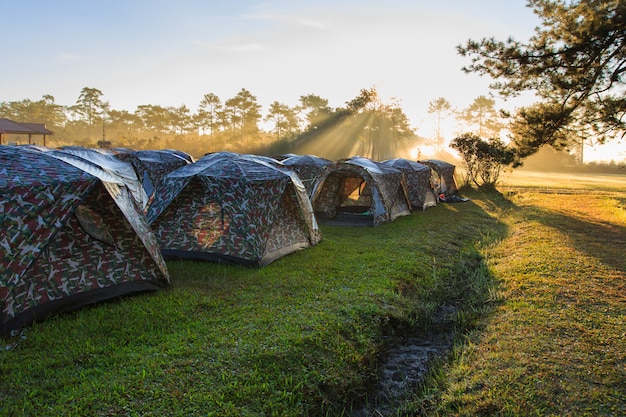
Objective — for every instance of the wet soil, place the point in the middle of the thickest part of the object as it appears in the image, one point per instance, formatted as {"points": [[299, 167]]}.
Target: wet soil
{"points": [[403, 367]]}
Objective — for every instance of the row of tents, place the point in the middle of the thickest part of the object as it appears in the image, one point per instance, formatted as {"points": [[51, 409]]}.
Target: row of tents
{"points": [[84, 225]]}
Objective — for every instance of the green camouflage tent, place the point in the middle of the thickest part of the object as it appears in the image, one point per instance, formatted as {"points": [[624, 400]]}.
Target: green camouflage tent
{"points": [[231, 208], [308, 167], [151, 166], [68, 239], [360, 191], [419, 180], [446, 186]]}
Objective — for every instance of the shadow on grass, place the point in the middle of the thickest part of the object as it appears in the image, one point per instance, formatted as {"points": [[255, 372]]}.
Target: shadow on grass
{"points": [[460, 296], [566, 299], [303, 333], [598, 238]]}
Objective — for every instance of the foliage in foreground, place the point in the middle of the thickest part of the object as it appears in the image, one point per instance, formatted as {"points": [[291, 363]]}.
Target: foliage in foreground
{"points": [[298, 337]]}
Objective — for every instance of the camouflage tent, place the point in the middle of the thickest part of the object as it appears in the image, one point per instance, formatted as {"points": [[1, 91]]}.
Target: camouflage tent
{"points": [[220, 154], [308, 167], [419, 182], [232, 208], [103, 164], [284, 156], [180, 154], [153, 165], [445, 170], [360, 191], [68, 239]]}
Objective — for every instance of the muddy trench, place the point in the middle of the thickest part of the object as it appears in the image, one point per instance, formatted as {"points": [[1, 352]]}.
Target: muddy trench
{"points": [[404, 365]]}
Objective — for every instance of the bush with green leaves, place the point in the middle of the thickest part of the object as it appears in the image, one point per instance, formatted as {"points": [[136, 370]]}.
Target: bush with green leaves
{"points": [[484, 160]]}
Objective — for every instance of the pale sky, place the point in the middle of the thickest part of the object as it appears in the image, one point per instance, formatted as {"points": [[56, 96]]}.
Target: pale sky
{"points": [[170, 53]]}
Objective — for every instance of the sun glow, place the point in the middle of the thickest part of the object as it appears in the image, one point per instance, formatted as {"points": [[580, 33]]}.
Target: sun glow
{"points": [[607, 153]]}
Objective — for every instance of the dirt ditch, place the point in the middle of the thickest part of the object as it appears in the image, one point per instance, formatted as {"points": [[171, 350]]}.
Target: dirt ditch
{"points": [[403, 367]]}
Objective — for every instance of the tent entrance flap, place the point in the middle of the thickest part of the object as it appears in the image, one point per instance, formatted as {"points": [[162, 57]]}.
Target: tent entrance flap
{"points": [[355, 196]]}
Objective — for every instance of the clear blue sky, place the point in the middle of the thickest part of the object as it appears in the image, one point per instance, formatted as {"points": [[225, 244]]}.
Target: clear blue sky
{"points": [[171, 53]]}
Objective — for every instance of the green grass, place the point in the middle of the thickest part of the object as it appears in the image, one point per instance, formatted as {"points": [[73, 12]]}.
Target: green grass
{"points": [[298, 337], [537, 281]]}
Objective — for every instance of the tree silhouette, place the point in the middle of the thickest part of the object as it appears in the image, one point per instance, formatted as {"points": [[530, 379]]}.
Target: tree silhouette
{"points": [[482, 114], [284, 118], [441, 108], [207, 116], [574, 63], [244, 112], [90, 105], [483, 159]]}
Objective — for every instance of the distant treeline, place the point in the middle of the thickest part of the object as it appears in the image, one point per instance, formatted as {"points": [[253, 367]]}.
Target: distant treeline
{"points": [[363, 126], [550, 160]]}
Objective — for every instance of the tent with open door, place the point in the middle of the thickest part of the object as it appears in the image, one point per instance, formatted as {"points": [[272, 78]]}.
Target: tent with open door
{"points": [[446, 186], [69, 239], [360, 191], [419, 182], [230, 208]]}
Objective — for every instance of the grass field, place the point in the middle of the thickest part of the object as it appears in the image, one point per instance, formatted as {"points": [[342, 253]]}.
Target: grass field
{"points": [[556, 345], [536, 280], [546, 181]]}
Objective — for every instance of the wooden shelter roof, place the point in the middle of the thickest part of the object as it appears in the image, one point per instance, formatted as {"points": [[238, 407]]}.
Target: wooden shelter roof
{"points": [[9, 126]]}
